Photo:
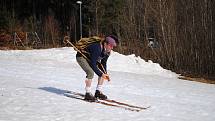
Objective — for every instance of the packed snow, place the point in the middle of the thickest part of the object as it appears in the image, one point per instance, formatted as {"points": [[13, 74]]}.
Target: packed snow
{"points": [[32, 83]]}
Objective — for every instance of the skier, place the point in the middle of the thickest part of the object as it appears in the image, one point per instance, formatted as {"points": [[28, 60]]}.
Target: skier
{"points": [[97, 56]]}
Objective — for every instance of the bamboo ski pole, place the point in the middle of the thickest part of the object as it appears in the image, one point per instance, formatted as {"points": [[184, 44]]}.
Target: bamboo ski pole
{"points": [[77, 49]]}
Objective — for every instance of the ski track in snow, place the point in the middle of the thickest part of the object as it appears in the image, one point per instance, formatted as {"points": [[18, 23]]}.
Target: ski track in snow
{"points": [[32, 84]]}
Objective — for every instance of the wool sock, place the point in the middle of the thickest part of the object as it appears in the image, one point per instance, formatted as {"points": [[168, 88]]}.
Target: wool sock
{"points": [[88, 89], [99, 87]]}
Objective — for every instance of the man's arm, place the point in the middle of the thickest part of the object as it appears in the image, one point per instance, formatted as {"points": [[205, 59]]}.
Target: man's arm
{"points": [[104, 62]]}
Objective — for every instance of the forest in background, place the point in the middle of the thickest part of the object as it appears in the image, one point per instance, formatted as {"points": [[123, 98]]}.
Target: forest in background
{"points": [[177, 34]]}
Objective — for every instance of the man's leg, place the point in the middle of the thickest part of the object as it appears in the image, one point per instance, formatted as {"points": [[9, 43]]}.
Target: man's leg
{"points": [[90, 73], [100, 83], [88, 85], [98, 93]]}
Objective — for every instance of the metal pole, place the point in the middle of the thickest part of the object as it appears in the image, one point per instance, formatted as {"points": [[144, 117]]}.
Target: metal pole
{"points": [[79, 2], [80, 21]]}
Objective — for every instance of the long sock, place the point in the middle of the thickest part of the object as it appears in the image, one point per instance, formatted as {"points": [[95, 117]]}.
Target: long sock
{"points": [[88, 89], [99, 87]]}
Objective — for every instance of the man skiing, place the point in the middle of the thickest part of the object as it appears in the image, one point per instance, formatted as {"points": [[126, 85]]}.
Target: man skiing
{"points": [[94, 59]]}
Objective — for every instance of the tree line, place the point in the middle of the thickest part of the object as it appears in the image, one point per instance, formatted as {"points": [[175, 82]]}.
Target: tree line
{"points": [[177, 34]]}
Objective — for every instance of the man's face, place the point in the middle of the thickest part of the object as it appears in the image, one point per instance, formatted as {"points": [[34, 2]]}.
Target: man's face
{"points": [[108, 47]]}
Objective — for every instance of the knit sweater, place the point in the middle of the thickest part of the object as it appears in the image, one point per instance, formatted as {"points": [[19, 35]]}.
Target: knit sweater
{"points": [[96, 54]]}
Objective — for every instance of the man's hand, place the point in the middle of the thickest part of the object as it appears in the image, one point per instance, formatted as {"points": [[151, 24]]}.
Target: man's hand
{"points": [[106, 77]]}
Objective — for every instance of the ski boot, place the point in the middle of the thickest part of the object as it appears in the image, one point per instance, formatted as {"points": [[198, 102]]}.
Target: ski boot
{"points": [[100, 95], [89, 97]]}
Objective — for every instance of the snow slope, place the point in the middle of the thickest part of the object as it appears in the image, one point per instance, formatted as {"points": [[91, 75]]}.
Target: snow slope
{"points": [[32, 84]]}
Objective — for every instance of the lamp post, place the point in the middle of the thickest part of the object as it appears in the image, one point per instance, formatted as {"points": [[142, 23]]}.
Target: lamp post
{"points": [[79, 2]]}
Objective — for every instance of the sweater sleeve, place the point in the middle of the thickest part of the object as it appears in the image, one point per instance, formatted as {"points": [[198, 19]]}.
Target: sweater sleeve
{"points": [[104, 62]]}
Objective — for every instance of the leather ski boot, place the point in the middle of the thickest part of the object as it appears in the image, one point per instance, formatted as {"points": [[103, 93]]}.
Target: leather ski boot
{"points": [[100, 95], [89, 97]]}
